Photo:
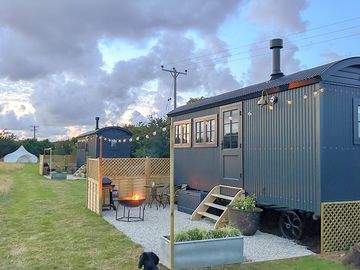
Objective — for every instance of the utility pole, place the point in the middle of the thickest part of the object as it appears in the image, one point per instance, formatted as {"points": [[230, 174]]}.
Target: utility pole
{"points": [[34, 130], [174, 73]]}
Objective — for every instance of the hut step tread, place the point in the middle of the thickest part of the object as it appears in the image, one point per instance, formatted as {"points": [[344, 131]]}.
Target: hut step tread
{"points": [[208, 215], [221, 196], [217, 206]]}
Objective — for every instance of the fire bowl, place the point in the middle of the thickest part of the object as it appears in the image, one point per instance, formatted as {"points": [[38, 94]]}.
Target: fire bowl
{"points": [[130, 202]]}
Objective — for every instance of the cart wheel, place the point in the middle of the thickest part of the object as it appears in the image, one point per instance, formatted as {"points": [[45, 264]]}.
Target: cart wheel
{"points": [[291, 225]]}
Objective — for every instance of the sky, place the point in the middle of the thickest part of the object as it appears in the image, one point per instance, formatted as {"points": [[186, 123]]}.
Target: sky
{"points": [[63, 62]]}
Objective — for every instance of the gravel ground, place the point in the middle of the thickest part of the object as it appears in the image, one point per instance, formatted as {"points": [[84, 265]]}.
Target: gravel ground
{"points": [[259, 247]]}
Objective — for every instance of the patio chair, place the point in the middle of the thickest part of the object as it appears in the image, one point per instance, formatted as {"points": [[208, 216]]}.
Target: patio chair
{"points": [[164, 196]]}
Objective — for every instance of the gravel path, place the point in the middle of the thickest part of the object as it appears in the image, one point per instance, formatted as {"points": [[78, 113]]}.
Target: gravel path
{"points": [[259, 247]]}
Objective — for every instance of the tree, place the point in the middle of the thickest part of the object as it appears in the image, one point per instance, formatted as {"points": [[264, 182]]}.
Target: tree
{"points": [[8, 143], [66, 147], [196, 99], [156, 145]]}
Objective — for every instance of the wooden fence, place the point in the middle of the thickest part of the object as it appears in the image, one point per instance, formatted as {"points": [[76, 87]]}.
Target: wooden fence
{"points": [[129, 175], [58, 162]]}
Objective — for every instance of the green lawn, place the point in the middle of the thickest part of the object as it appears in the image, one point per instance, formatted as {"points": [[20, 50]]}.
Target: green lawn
{"points": [[44, 225]]}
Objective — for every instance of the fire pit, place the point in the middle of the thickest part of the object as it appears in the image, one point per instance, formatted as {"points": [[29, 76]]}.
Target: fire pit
{"points": [[128, 203]]}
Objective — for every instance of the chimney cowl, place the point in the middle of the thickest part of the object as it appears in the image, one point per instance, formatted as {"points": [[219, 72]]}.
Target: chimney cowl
{"points": [[276, 45], [97, 122]]}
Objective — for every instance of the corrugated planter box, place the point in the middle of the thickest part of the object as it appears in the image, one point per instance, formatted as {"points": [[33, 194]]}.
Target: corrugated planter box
{"points": [[203, 253]]}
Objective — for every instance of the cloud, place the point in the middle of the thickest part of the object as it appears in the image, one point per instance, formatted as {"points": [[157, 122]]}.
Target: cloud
{"points": [[261, 62], [279, 15], [54, 47]]}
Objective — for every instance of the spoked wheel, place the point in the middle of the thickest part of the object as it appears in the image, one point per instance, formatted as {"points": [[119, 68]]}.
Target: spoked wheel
{"points": [[291, 225]]}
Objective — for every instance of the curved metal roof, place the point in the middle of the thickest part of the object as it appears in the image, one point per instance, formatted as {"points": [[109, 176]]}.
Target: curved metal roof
{"points": [[100, 130], [248, 91]]}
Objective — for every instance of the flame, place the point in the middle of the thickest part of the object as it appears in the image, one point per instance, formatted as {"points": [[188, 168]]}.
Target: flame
{"points": [[135, 197]]}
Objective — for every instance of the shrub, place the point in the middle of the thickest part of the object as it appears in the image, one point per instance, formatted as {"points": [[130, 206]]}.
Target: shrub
{"points": [[247, 203], [201, 234]]}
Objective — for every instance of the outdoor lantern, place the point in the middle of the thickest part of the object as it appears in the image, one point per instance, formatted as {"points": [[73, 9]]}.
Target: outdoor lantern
{"points": [[263, 100], [272, 101]]}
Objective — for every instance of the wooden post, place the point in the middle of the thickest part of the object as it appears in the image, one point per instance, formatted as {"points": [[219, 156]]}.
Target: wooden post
{"points": [[100, 175], [147, 174], [172, 195]]}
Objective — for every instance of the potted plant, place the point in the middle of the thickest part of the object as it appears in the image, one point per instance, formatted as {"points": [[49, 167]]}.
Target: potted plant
{"points": [[244, 215], [197, 248]]}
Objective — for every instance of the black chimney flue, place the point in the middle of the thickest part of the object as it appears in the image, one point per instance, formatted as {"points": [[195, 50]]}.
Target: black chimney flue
{"points": [[276, 45], [97, 122]]}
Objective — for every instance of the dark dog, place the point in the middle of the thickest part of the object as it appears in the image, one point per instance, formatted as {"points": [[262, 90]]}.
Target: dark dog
{"points": [[149, 260]]}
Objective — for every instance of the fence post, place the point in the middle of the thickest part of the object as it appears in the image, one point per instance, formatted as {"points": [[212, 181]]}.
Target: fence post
{"points": [[147, 170], [100, 176]]}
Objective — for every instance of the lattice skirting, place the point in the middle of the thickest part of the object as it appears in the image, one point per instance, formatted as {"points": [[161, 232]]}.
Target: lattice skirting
{"points": [[340, 225]]}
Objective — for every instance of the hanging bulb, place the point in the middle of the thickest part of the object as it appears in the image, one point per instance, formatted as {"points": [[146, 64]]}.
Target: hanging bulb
{"points": [[154, 133], [147, 136]]}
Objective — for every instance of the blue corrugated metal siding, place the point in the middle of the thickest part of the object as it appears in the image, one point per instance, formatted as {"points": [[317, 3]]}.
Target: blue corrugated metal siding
{"points": [[199, 167], [340, 157], [281, 150]]}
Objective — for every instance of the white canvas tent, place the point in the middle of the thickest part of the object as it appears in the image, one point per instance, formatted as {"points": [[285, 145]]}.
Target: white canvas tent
{"points": [[21, 155]]}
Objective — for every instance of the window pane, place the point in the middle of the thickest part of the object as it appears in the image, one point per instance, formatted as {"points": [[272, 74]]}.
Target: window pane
{"points": [[234, 128], [234, 141], [359, 130], [358, 113], [226, 130], [235, 116], [226, 143], [226, 116], [177, 135]]}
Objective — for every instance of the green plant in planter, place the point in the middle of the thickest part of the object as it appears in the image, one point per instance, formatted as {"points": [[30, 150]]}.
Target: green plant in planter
{"points": [[202, 234], [247, 203], [244, 215]]}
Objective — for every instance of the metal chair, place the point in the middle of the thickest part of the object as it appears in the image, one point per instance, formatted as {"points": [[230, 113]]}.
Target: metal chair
{"points": [[164, 196]]}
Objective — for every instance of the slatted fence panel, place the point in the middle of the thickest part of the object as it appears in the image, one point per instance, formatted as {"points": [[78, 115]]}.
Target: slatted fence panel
{"points": [[129, 175], [93, 201], [340, 225]]}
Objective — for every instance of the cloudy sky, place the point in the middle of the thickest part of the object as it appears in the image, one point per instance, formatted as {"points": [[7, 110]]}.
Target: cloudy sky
{"points": [[63, 62]]}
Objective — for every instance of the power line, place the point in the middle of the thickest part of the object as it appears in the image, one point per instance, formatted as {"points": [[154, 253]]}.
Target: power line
{"points": [[265, 41], [264, 54]]}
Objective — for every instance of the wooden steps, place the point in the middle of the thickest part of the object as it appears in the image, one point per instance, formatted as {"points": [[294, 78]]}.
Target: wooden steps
{"points": [[222, 197], [208, 215], [217, 206], [209, 201]]}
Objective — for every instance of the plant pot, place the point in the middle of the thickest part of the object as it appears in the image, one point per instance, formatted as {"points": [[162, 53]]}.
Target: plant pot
{"points": [[246, 221], [203, 253]]}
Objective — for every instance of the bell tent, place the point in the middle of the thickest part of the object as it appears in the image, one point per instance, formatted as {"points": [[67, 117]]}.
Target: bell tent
{"points": [[21, 155]]}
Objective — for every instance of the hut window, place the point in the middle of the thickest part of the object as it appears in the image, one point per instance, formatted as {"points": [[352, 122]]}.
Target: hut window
{"points": [[356, 117], [182, 133], [231, 129], [205, 131]]}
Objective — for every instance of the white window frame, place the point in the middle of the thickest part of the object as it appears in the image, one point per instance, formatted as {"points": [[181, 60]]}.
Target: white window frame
{"points": [[180, 124], [205, 119]]}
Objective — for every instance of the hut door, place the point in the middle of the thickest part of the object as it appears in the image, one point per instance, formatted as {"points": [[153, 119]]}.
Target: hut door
{"points": [[231, 145]]}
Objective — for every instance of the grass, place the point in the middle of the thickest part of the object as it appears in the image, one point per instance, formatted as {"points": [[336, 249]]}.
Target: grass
{"points": [[302, 263], [44, 225]]}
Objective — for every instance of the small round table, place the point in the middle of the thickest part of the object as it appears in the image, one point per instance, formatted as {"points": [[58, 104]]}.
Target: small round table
{"points": [[154, 195]]}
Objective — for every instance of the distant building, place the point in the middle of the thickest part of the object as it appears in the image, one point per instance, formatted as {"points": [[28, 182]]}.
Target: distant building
{"points": [[89, 144]]}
